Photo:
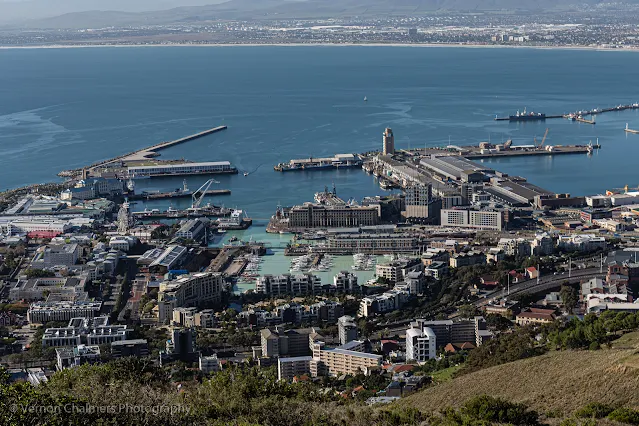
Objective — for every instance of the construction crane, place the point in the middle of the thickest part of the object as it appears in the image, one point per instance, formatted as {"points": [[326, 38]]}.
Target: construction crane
{"points": [[543, 140], [199, 195]]}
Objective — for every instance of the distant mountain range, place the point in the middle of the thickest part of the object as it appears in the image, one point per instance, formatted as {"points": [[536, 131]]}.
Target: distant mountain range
{"points": [[82, 14]]}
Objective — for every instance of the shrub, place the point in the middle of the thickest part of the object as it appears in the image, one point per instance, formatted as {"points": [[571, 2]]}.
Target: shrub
{"points": [[594, 346], [595, 410], [625, 415], [497, 410]]}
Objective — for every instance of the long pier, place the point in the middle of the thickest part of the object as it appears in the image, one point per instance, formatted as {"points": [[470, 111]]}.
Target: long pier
{"points": [[179, 194], [144, 153], [577, 114]]}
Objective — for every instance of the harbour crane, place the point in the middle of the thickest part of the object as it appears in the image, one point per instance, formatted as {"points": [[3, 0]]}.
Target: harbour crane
{"points": [[543, 140], [199, 195]]}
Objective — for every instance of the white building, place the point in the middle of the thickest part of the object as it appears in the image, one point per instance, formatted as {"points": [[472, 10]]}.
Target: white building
{"points": [[122, 242], [190, 290], [347, 329], [182, 169], [286, 284], [209, 364], [42, 312], [56, 255], [421, 344], [386, 302], [581, 242], [475, 219], [345, 282]]}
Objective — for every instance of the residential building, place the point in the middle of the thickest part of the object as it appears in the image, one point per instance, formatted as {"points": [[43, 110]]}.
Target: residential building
{"points": [[421, 344], [385, 302], [287, 284], [137, 348], [209, 364], [542, 245], [416, 282], [581, 242], [292, 343], [396, 271], [346, 282], [76, 356], [190, 290], [437, 269], [597, 303], [347, 329], [515, 246], [467, 259], [122, 242], [535, 316], [457, 332]]}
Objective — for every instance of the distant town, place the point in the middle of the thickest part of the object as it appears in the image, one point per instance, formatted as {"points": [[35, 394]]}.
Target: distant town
{"points": [[461, 255], [595, 28]]}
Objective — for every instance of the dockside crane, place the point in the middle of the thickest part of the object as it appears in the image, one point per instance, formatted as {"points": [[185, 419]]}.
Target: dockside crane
{"points": [[541, 145], [198, 196]]}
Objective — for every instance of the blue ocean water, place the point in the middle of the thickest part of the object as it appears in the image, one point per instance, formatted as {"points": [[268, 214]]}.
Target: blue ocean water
{"points": [[63, 108]]}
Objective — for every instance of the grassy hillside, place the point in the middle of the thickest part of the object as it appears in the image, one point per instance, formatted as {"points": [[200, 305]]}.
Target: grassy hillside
{"points": [[558, 382]]}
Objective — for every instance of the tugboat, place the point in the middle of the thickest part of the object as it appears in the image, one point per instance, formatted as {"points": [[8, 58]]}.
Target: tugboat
{"points": [[527, 116]]}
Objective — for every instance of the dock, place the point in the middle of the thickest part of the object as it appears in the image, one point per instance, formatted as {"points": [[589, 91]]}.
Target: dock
{"points": [[176, 194], [555, 150], [339, 161], [577, 115]]}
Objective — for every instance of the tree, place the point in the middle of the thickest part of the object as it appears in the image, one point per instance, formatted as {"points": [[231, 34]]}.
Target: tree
{"points": [[468, 311], [569, 297]]}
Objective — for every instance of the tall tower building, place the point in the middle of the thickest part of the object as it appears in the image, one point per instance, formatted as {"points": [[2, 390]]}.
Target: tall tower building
{"points": [[389, 142]]}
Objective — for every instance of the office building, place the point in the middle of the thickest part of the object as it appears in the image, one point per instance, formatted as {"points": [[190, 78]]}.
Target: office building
{"points": [[138, 348], [56, 255], [421, 344], [76, 356], [310, 215], [346, 242], [388, 142], [42, 312], [90, 331], [347, 329], [474, 219]]}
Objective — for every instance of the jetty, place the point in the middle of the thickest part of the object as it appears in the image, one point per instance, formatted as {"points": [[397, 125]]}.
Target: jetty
{"points": [[139, 155], [577, 115]]}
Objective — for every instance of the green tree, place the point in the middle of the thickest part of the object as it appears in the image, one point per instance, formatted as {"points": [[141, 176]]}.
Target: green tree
{"points": [[569, 297]]}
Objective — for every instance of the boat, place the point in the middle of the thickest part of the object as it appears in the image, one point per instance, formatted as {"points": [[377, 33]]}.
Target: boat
{"points": [[246, 174], [365, 99], [130, 185], [527, 116]]}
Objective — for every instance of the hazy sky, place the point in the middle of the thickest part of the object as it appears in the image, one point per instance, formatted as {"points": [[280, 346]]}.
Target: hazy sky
{"points": [[13, 11]]}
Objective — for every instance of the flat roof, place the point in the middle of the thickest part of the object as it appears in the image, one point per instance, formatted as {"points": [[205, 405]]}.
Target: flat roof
{"points": [[174, 166], [354, 353]]}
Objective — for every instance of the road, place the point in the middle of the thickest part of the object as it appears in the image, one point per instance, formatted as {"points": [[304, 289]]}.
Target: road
{"points": [[545, 283]]}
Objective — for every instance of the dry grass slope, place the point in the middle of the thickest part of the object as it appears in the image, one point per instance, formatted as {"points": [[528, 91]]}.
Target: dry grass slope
{"points": [[558, 381]]}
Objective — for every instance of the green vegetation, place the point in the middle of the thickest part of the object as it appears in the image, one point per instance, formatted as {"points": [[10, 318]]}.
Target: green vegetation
{"points": [[237, 396], [38, 273], [594, 410], [484, 410]]}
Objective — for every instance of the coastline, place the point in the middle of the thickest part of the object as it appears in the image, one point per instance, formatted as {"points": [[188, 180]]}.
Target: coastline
{"points": [[406, 45]]}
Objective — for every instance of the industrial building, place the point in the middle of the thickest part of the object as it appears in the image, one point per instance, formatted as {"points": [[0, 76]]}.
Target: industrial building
{"points": [[310, 215], [182, 169]]}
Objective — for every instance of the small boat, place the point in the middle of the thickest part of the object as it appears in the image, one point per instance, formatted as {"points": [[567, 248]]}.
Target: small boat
{"points": [[365, 99], [246, 173]]}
